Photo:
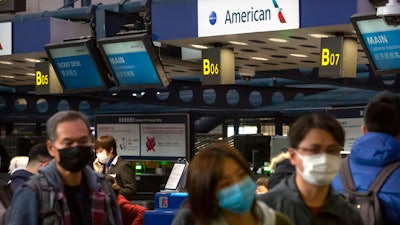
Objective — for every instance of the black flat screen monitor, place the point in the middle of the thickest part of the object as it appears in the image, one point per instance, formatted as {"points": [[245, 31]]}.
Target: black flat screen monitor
{"points": [[133, 61], [79, 66], [381, 43]]}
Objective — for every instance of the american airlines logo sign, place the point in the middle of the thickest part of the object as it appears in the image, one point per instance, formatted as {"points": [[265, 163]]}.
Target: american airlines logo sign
{"points": [[240, 16]]}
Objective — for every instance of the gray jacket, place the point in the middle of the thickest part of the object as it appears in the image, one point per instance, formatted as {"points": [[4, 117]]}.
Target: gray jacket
{"points": [[286, 198], [24, 205]]}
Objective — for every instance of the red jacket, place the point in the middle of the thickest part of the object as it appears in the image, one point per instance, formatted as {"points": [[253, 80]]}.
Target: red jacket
{"points": [[131, 214]]}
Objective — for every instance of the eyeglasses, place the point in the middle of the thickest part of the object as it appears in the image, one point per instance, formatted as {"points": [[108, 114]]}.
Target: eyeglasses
{"points": [[332, 149]]}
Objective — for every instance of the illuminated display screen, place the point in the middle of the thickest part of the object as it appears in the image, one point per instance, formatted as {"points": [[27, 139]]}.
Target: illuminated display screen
{"points": [[133, 62], [76, 67], [381, 43]]}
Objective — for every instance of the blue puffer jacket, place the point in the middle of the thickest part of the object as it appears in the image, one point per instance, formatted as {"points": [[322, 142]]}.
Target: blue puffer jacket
{"points": [[369, 154]]}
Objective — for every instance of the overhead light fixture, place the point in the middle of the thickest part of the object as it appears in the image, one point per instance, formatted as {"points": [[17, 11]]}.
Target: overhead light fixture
{"points": [[238, 43], [279, 40], [30, 74], [32, 60], [199, 46], [7, 76], [259, 58], [298, 55], [6, 63], [320, 35], [138, 94]]}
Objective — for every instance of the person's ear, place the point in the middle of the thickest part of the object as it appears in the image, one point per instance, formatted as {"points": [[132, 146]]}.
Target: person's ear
{"points": [[292, 156], [50, 148], [364, 129]]}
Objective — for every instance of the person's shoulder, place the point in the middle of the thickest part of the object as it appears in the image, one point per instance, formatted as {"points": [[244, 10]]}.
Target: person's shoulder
{"points": [[183, 217], [282, 219]]}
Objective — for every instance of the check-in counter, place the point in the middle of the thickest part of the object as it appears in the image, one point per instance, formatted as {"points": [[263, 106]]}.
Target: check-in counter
{"points": [[166, 206]]}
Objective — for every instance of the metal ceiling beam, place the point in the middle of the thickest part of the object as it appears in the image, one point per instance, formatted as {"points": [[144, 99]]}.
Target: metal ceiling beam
{"points": [[368, 82], [193, 95], [79, 14]]}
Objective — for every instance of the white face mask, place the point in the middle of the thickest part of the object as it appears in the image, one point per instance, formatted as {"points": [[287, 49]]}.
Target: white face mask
{"points": [[103, 158], [319, 169]]}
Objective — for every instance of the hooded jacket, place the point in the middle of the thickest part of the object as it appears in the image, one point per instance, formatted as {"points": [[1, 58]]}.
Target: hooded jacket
{"points": [[18, 178], [369, 154], [24, 206], [286, 198]]}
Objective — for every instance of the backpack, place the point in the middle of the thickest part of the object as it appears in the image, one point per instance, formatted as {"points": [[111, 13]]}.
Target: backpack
{"points": [[46, 196], [50, 212], [367, 202]]}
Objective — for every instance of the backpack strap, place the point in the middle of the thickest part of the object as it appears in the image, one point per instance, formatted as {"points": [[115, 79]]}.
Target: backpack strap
{"points": [[383, 175], [46, 198], [376, 186], [345, 176]]}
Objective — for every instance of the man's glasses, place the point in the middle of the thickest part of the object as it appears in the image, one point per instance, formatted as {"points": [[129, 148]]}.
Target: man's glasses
{"points": [[333, 149]]}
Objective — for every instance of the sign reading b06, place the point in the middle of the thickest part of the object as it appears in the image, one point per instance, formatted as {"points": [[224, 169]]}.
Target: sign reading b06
{"points": [[210, 68], [42, 79]]}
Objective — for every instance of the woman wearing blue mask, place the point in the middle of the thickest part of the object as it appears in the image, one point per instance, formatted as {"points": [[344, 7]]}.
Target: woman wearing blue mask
{"points": [[222, 192]]}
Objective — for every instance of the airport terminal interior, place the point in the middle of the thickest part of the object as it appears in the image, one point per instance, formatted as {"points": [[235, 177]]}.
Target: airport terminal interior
{"points": [[198, 73]]}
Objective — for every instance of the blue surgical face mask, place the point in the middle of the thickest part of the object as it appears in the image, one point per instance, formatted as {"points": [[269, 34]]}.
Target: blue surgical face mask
{"points": [[239, 197]]}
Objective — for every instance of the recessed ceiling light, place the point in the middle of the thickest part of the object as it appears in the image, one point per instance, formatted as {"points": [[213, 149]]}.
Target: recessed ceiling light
{"points": [[259, 58], [320, 35], [298, 55], [30, 74], [7, 76], [32, 60], [6, 63], [237, 43], [199, 46], [278, 40]]}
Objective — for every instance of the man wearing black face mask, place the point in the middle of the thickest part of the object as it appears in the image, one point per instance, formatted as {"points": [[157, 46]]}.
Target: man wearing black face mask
{"points": [[81, 196]]}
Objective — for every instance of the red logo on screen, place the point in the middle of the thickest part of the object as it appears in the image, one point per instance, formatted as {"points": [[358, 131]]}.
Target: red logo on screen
{"points": [[150, 144]]}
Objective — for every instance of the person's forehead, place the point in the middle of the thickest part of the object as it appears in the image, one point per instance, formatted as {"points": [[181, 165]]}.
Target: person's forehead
{"points": [[230, 167], [318, 135], [73, 128]]}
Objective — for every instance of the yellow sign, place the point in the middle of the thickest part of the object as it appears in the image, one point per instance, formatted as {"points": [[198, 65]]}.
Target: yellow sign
{"points": [[42, 79], [328, 58], [210, 68]]}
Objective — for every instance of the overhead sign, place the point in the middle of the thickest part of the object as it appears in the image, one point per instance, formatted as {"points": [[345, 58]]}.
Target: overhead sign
{"points": [[225, 17], [218, 66], [46, 80], [6, 38], [338, 57]]}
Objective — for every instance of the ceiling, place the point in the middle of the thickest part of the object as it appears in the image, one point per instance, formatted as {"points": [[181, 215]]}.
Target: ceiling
{"points": [[19, 76]]}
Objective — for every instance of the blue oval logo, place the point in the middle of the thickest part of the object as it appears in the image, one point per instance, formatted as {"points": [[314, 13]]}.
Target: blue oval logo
{"points": [[212, 18]]}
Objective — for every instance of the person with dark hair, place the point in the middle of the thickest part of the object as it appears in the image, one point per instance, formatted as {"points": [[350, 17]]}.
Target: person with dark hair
{"points": [[132, 214], [281, 167], [221, 190], [109, 162], [78, 195], [307, 197], [377, 147], [262, 185], [38, 157]]}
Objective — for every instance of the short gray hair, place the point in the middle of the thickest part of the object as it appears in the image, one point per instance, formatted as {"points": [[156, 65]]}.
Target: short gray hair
{"points": [[63, 116]]}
